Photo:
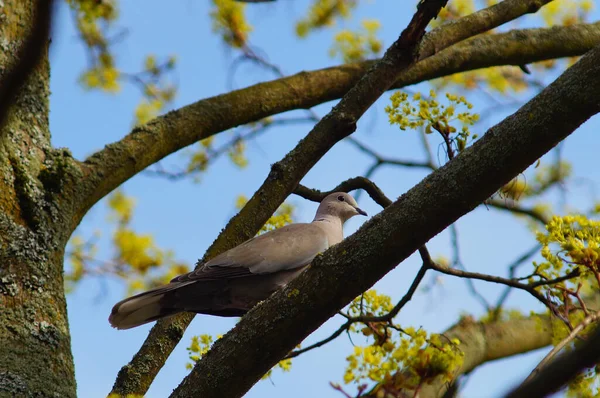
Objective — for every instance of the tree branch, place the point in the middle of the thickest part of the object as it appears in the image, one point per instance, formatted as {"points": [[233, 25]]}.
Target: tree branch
{"points": [[403, 301], [196, 121], [512, 269], [514, 208], [458, 264], [366, 319], [145, 145], [271, 329], [383, 160], [349, 185], [586, 321], [529, 288], [482, 342], [558, 373], [476, 23], [344, 327]]}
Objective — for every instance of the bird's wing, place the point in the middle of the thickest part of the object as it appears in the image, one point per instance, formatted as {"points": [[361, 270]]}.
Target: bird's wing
{"points": [[286, 248]]}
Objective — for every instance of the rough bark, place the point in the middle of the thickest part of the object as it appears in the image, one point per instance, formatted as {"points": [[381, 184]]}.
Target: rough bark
{"points": [[273, 328], [27, 57], [563, 369], [33, 231]]}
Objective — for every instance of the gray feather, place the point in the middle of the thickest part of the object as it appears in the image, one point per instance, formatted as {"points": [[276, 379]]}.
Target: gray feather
{"points": [[233, 282]]}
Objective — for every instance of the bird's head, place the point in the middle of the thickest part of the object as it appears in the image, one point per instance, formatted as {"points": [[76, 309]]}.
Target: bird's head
{"points": [[340, 204]]}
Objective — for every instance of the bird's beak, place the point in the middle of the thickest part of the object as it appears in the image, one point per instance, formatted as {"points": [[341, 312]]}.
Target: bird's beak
{"points": [[361, 211]]}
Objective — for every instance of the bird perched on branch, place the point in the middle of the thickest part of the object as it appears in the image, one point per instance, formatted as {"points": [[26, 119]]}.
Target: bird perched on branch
{"points": [[233, 282]]}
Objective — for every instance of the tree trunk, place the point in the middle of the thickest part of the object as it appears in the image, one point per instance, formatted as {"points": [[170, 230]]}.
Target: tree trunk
{"points": [[35, 345]]}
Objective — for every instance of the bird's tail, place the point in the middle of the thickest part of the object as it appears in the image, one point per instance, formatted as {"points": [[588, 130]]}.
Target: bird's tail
{"points": [[143, 308]]}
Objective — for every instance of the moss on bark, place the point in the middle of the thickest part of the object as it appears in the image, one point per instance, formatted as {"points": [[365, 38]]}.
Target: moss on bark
{"points": [[35, 344]]}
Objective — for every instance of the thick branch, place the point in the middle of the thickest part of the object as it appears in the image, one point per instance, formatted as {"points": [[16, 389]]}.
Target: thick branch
{"points": [[591, 318], [476, 23], [271, 329], [117, 162], [480, 343], [558, 373]]}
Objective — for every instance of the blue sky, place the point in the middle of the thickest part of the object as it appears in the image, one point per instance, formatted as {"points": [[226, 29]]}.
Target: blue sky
{"points": [[187, 216]]}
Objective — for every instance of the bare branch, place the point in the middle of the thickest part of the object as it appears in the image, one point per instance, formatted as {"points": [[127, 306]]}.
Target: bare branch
{"points": [[512, 283], [347, 186], [513, 207], [214, 153], [476, 23], [321, 343], [383, 160], [512, 268], [146, 145], [403, 301], [529, 288], [512, 273], [457, 263]]}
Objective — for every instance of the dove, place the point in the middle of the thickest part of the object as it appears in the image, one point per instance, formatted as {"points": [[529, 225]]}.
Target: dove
{"points": [[233, 282]]}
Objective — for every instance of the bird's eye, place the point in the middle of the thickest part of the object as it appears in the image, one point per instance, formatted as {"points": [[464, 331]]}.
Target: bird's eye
{"points": [[341, 198]]}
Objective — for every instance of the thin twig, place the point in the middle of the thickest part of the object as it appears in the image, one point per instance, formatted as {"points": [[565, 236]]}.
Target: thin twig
{"points": [[382, 160], [513, 207], [374, 319], [490, 278], [405, 299], [318, 344], [427, 149], [457, 262], [512, 269], [347, 186], [213, 154]]}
